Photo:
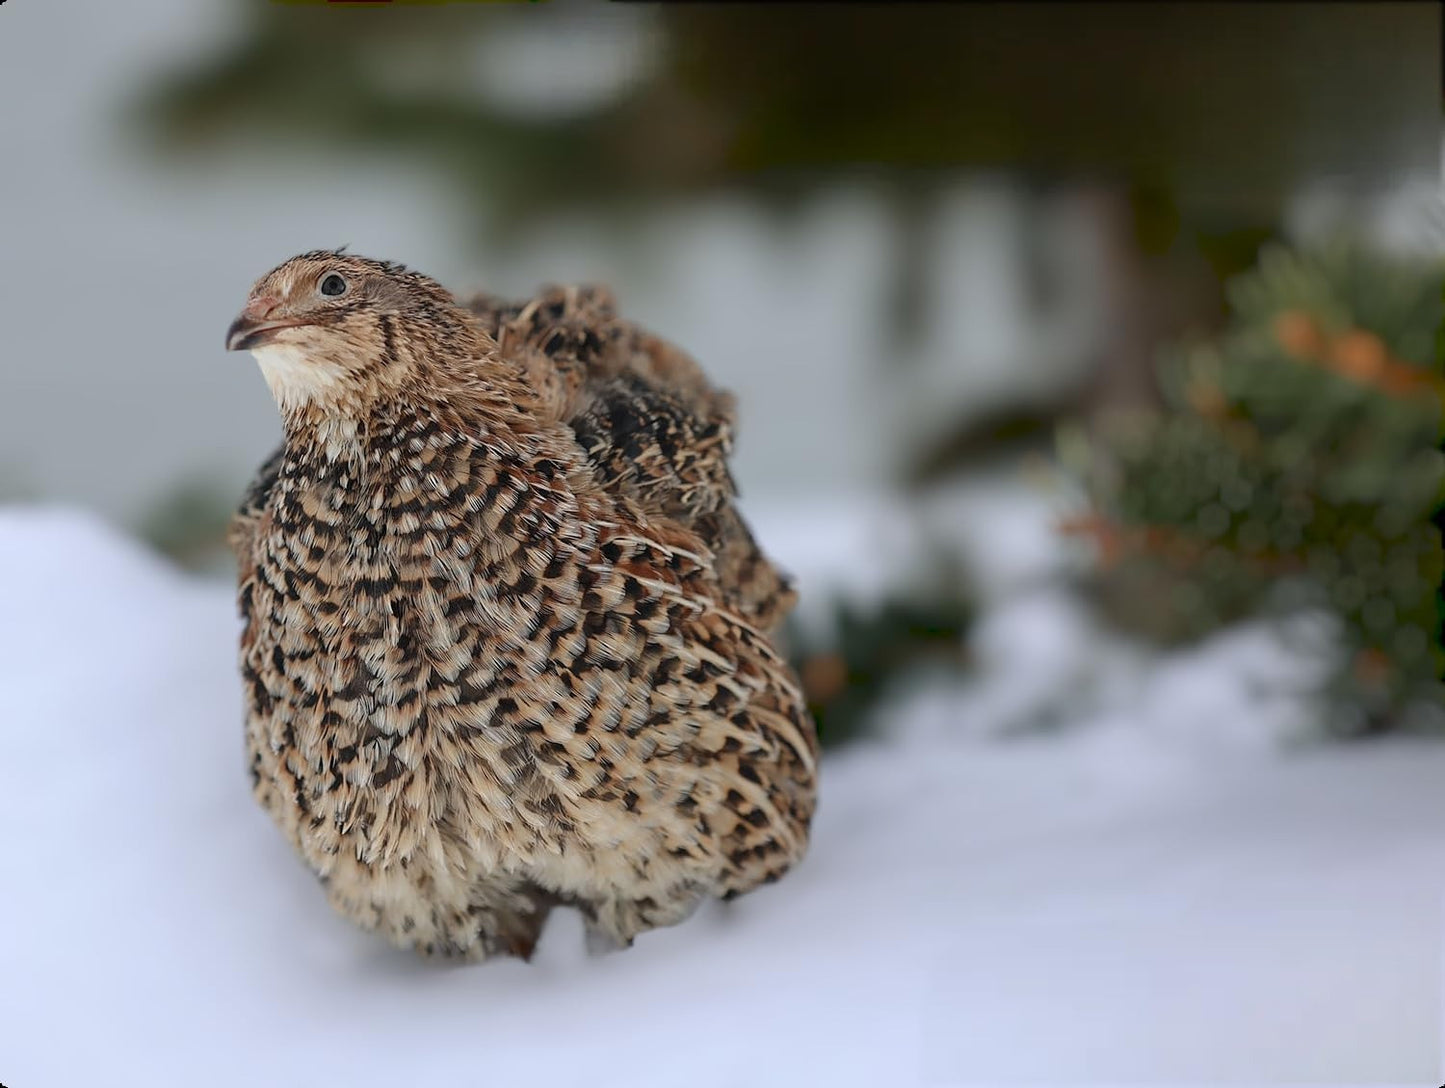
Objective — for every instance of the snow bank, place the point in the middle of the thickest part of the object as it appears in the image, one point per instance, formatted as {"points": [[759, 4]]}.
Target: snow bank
{"points": [[1096, 905]]}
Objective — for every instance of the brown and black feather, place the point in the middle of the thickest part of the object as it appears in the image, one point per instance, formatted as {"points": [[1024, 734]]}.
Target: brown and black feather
{"points": [[507, 642]]}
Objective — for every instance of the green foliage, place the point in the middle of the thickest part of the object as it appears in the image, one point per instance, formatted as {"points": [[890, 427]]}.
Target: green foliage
{"points": [[1294, 465], [15, 487], [189, 524], [778, 103], [870, 649], [790, 96]]}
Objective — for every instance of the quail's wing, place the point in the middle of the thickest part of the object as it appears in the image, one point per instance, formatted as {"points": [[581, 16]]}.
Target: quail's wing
{"points": [[652, 426], [241, 533]]}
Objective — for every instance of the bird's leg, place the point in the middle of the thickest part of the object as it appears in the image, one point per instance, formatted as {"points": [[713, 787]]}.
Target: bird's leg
{"points": [[604, 933], [613, 924], [510, 917], [599, 942]]}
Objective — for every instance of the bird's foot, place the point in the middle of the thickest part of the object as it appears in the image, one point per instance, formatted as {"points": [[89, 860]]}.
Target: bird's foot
{"points": [[600, 942]]}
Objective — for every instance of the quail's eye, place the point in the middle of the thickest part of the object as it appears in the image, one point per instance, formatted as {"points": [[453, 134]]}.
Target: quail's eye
{"points": [[333, 285]]}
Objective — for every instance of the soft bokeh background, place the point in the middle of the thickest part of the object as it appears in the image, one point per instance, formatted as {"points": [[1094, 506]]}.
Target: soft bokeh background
{"points": [[935, 250]]}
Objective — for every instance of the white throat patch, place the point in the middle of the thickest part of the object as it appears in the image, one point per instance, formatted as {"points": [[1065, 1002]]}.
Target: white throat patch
{"points": [[295, 379]]}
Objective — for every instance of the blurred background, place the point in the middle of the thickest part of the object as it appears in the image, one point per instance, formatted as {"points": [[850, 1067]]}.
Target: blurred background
{"points": [[1088, 355]]}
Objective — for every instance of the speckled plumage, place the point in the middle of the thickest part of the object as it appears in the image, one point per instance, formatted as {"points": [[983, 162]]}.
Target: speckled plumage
{"points": [[506, 639]]}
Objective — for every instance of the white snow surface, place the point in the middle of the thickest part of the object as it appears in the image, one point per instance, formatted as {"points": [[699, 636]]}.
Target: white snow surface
{"points": [[1159, 892]]}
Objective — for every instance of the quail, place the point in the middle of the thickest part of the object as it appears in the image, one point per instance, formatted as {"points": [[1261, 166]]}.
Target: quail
{"points": [[507, 643]]}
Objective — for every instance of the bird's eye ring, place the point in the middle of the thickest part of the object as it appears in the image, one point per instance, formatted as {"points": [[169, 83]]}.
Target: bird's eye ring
{"points": [[333, 285]]}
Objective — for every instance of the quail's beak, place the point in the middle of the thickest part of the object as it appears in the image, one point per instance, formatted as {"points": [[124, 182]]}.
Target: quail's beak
{"points": [[255, 326]]}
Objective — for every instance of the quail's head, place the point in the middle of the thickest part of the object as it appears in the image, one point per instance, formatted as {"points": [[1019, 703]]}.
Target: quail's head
{"points": [[327, 327]]}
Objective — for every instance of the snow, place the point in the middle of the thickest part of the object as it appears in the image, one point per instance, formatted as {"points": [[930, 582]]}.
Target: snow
{"points": [[1156, 890]]}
